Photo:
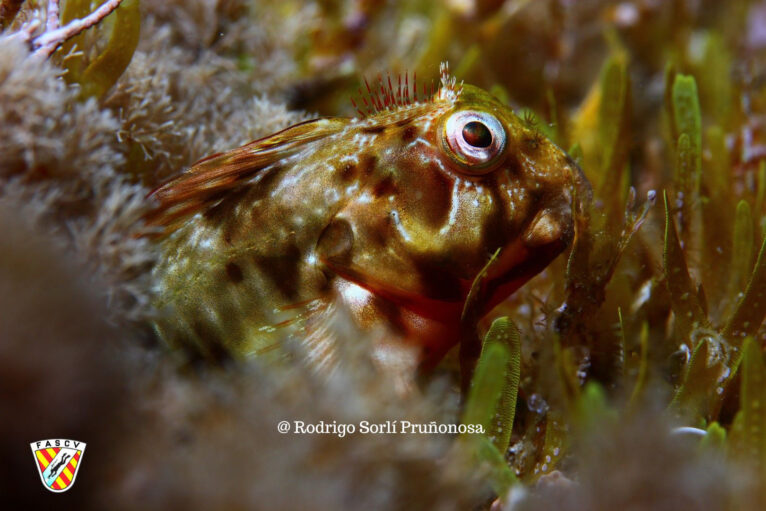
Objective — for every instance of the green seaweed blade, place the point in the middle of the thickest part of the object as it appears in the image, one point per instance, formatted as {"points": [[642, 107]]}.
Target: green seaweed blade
{"points": [[748, 316], [748, 436], [614, 137], [742, 251], [684, 298], [96, 74], [492, 399], [106, 69], [494, 390], [696, 398], [688, 120]]}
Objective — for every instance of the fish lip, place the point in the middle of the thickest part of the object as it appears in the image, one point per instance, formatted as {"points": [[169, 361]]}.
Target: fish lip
{"points": [[445, 311], [517, 263], [507, 280]]}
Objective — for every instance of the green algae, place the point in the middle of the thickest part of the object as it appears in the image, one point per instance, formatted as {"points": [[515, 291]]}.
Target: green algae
{"points": [[104, 51]]}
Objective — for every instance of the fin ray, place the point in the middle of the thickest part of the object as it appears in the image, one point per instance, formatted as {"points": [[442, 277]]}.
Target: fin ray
{"points": [[211, 177]]}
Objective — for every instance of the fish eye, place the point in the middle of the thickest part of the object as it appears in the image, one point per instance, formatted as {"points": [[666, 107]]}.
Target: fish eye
{"points": [[477, 134], [475, 139]]}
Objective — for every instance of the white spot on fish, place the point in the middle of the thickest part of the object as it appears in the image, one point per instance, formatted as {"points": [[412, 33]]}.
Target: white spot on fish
{"points": [[453, 210], [399, 226]]}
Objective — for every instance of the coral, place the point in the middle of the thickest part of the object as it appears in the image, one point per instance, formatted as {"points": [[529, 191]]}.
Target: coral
{"points": [[62, 155], [33, 125]]}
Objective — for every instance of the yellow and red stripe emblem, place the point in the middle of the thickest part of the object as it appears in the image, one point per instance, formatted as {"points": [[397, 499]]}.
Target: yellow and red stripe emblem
{"points": [[45, 456], [66, 476], [58, 460]]}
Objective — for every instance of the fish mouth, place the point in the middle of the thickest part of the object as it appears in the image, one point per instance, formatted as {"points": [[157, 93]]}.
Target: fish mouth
{"points": [[442, 310], [506, 277], [515, 265], [435, 291]]}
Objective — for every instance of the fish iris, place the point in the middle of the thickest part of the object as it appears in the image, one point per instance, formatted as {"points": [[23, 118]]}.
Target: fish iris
{"points": [[477, 134]]}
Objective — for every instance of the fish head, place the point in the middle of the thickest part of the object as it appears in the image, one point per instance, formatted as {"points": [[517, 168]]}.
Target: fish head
{"points": [[441, 187]]}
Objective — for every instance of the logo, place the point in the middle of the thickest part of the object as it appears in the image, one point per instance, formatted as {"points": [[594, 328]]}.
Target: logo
{"points": [[58, 460]]}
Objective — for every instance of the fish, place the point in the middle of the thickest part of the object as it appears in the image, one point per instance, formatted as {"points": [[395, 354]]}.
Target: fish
{"points": [[385, 219]]}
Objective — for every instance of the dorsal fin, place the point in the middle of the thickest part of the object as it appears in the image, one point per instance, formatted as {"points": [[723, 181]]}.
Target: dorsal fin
{"points": [[387, 94], [211, 177]]}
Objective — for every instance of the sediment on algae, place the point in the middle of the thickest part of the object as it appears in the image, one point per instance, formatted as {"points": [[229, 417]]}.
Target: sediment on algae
{"points": [[651, 321]]}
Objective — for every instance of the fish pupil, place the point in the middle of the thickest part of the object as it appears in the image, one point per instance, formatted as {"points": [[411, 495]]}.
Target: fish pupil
{"points": [[477, 134]]}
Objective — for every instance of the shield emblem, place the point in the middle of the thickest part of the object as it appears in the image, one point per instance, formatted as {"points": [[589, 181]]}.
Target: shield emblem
{"points": [[58, 460]]}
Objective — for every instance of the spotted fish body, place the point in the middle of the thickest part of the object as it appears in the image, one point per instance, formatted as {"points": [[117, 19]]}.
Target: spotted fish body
{"points": [[387, 219]]}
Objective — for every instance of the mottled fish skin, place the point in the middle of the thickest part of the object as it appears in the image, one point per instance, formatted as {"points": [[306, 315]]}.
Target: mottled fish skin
{"points": [[381, 218]]}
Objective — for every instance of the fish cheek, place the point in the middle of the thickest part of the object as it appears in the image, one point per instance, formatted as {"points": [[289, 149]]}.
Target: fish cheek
{"points": [[439, 198], [283, 270], [497, 230], [425, 195]]}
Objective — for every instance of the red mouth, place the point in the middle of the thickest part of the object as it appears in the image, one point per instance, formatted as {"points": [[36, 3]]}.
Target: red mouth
{"points": [[515, 265]]}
